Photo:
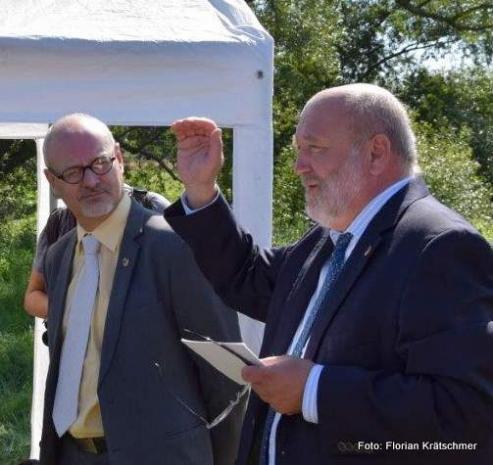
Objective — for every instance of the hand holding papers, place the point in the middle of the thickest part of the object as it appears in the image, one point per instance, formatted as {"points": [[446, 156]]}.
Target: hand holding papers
{"points": [[227, 357]]}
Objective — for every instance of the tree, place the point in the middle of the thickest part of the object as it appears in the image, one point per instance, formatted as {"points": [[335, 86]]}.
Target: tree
{"points": [[461, 99], [384, 38], [14, 153], [452, 174]]}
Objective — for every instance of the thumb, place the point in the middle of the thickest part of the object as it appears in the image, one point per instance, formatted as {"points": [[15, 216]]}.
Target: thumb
{"points": [[251, 374]]}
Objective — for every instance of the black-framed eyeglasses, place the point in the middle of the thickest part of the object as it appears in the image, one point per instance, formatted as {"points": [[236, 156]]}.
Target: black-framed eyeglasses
{"points": [[75, 174], [208, 424]]}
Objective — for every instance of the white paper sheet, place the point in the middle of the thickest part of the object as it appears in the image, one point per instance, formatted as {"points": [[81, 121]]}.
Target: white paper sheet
{"points": [[226, 362]]}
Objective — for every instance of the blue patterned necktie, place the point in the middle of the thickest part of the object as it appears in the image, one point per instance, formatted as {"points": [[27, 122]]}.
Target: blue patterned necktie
{"points": [[334, 268]]}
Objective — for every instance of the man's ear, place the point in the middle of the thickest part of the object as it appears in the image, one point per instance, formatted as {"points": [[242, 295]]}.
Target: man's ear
{"points": [[51, 179], [119, 156], [380, 153], [48, 175]]}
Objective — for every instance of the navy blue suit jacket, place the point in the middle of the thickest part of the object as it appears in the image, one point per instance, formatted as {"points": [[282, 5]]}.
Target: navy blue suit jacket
{"points": [[405, 341]]}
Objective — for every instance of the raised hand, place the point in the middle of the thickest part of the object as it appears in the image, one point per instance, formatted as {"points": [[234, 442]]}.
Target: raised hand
{"points": [[200, 158]]}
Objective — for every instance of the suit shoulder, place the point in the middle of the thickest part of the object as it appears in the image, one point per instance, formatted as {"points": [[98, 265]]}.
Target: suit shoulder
{"points": [[432, 218], [56, 250], [160, 234], [429, 223]]}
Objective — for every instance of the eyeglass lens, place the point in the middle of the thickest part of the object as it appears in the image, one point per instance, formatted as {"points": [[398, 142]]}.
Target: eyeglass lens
{"points": [[99, 166]]}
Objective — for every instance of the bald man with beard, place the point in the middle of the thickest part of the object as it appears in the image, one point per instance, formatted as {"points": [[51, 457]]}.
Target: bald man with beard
{"points": [[378, 342]]}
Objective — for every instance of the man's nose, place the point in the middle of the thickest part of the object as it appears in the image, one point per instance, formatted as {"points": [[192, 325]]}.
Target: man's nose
{"points": [[90, 179], [301, 164]]}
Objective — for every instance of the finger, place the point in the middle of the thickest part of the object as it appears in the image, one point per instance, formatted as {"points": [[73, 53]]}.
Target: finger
{"points": [[178, 126], [193, 125], [183, 131], [203, 124], [193, 142]]}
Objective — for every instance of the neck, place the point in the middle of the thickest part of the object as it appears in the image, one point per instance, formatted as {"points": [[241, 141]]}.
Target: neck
{"points": [[90, 224]]}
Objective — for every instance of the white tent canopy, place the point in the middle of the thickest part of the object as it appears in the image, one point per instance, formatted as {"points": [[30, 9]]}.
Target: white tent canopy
{"points": [[135, 62]]}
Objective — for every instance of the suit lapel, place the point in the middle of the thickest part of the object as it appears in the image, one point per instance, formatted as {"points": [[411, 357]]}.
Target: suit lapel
{"points": [[300, 294], [125, 266], [332, 302], [367, 245]]}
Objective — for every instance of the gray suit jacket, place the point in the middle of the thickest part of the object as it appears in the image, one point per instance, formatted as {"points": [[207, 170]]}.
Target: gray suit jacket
{"points": [[157, 292]]}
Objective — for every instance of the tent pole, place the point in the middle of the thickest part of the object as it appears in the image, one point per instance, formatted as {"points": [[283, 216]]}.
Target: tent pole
{"points": [[252, 200], [41, 359]]}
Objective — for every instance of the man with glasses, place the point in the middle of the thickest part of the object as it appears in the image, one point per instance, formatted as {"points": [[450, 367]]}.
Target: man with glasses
{"points": [[122, 289], [60, 222]]}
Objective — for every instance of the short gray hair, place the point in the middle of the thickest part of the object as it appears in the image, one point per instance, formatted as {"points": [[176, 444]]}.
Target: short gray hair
{"points": [[374, 110]]}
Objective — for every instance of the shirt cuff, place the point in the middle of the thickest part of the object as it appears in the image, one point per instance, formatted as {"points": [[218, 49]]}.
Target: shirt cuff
{"points": [[309, 407], [188, 210]]}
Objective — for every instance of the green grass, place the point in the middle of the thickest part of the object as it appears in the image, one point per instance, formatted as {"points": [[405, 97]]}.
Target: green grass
{"points": [[16, 340]]}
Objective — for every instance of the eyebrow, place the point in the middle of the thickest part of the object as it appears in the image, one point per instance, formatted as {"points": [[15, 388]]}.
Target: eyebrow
{"points": [[103, 154]]}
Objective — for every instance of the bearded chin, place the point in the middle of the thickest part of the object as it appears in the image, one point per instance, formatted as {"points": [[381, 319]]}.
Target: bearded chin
{"points": [[333, 201], [97, 209], [324, 211]]}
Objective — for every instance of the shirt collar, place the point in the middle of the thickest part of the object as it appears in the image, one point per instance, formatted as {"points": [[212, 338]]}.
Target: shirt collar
{"points": [[362, 220], [110, 231]]}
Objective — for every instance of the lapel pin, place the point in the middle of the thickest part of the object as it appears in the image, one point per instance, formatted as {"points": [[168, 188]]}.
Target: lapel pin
{"points": [[368, 251], [125, 261]]}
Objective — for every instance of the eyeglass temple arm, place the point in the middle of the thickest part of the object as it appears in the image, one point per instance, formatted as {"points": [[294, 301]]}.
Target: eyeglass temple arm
{"points": [[226, 348]]}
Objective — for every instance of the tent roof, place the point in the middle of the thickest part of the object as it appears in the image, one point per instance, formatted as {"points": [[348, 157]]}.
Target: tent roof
{"points": [[127, 21], [134, 61]]}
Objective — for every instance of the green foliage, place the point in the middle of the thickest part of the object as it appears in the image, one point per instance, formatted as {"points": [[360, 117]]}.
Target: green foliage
{"points": [[145, 174], [14, 153], [290, 221], [305, 34], [18, 192], [451, 173], [462, 99], [381, 38], [16, 337], [156, 172]]}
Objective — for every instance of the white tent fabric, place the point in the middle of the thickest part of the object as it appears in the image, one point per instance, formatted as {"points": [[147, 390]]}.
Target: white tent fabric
{"points": [[135, 62]]}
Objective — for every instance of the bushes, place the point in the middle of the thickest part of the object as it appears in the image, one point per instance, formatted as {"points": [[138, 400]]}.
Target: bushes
{"points": [[16, 339], [451, 173]]}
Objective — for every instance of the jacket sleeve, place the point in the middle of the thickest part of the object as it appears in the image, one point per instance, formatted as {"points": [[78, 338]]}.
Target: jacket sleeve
{"points": [[241, 273], [445, 340], [197, 308]]}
